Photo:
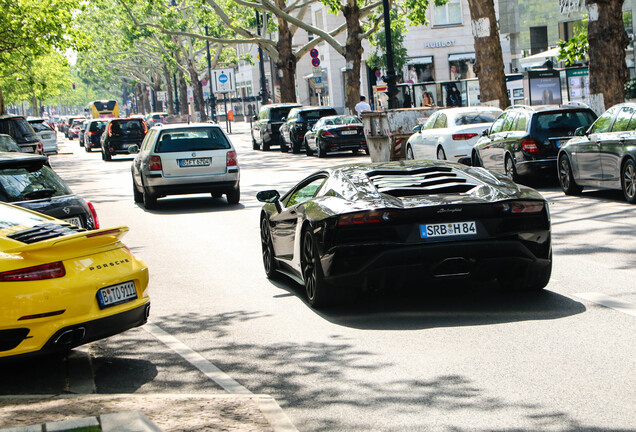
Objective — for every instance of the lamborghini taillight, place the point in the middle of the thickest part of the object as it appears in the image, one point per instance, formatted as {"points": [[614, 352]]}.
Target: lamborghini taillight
{"points": [[516, 207]]}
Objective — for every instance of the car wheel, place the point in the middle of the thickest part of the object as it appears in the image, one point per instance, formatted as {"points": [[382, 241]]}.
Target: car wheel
{"points": [[441, 154], [566, 177], [283, 146], [87, 148], [355, 151], [269, 262], [295, 147], [308, 151], [255, 146], [409, 153], [137, 195], [316, 288], [510, 170], [106, 156], [628, 180], [366, 151], [321, 150], [474, 159], [234, 196], [150, 201]]}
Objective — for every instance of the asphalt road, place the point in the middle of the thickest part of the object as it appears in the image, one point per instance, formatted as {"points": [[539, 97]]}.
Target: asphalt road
{"points": [[455, 359]]}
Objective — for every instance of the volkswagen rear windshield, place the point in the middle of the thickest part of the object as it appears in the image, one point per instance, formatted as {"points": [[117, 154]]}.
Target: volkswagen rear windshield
{"points": [[194, 139]]}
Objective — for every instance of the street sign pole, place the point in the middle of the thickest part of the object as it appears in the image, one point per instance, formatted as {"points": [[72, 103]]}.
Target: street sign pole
{"points": [[211, 99]]}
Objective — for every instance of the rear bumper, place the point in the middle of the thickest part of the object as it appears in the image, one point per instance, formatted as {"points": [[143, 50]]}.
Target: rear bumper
{"points": [[547, 166], [192, 188], [388, 266]]}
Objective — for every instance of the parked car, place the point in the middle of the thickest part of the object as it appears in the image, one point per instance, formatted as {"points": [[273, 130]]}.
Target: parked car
{"points": [[27, 181], [182, 159], [296, 124], [335, 133], [75, 128], [68, 122], [46, 134], [156, 118], [93, 133], [602, 156], [265, 129], [450, 133], [120, 134], [63, 286], [82, 132], [374, 226], [524, 140], [18, 128], [8, 144]]}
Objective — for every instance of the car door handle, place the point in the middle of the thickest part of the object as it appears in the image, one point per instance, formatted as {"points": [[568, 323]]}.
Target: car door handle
{"points": [[621, 140]]}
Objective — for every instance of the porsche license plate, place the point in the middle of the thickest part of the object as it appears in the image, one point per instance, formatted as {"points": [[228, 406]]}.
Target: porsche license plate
{"points": [[450, 229], [194, 162], [116, 294]]}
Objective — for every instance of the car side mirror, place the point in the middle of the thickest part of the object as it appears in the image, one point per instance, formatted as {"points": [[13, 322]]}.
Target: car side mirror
{"points": [[417, 128], [268, 196], [580, 131], [485, 132], [133, 149], [255, 118], [284, 119]]}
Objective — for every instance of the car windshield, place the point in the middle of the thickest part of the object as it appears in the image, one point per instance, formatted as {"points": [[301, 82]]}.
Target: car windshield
{"points": [[560, 123], [342, 120], [134, 127], [194, 139], [475, 118], [40, 127], [7, 144], [22, 184]]}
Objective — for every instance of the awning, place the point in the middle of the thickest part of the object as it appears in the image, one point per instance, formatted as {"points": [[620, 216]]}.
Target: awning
{"points": [[420, 60], [465, 56], [538, 59]]}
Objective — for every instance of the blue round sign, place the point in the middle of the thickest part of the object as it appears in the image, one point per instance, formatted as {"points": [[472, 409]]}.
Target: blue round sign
{"points": [[223, 78], [315, 62], [313, 53]]}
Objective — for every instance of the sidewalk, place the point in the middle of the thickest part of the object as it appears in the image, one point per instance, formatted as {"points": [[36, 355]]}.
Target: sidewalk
{"points": [[143, 412]]}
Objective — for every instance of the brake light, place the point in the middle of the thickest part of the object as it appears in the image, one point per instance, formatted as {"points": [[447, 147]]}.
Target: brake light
{"points": [[154, 163], [44, 271], [40, 147], [231, 159], [361, 218], [92, 133], [145, 127], [529, 146], [516, 207], [110, 131], [463, 136], [326, 134], [93, 214]]}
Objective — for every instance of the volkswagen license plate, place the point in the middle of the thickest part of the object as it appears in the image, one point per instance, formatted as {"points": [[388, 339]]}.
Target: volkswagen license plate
{"points": [[194, 162], [116, 294], [74, 221], [450, 229]]}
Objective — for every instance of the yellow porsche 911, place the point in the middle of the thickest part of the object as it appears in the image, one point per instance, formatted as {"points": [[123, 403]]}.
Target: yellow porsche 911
{"points": [[62, 286]]}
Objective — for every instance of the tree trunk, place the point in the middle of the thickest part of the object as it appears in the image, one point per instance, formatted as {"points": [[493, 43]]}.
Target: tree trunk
{"points": [[139, 92], [607, 42], [3, 108], [183, 95], [156, 87], [286, 60], [197, 92], [167, 76], [489, 66], [353, 56]]}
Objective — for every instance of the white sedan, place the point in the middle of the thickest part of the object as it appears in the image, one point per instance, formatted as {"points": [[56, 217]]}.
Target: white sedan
{"points": [[450, 134]]}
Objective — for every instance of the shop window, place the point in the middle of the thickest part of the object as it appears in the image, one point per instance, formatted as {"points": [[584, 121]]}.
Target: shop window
{"points": [[449, 14], [461, 67], [421, 70]]}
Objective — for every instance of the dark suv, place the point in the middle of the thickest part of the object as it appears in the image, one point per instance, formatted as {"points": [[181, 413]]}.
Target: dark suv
{"points": [[18, 128], [293, 131], [525, 140], [93, 133], [120, 134], [265, 130]]}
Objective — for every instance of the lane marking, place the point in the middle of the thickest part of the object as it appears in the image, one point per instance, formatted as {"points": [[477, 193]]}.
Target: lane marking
{"points": [[196, 359], [609, 302]]}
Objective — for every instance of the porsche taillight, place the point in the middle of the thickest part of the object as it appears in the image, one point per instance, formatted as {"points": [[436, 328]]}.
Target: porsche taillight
{"points": [[366, 217], [91, 207], [44, 271], [517, 207]]}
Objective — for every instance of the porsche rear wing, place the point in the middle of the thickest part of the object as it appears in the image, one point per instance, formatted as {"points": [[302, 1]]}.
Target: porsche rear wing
{"points": [[79, 240]]}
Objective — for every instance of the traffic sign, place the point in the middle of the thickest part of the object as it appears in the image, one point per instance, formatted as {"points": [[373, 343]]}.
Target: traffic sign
{"points": [[313, 53], [223, 81], [378, 74], [317, 71], [315, 62], [318, 82]]}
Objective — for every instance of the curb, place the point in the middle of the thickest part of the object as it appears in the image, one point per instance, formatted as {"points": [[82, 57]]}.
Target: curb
{"points": [[254, 412]]}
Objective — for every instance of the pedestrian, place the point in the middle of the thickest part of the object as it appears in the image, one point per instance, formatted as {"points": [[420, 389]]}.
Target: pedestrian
{"points": [[362, 106]]}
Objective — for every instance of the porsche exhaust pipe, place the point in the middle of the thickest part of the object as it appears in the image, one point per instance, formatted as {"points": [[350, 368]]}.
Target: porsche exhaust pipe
{"points": [[70, 337]]}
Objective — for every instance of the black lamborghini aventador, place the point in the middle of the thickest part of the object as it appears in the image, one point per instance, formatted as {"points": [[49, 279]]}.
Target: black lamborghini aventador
{"points": [[383, 225]]}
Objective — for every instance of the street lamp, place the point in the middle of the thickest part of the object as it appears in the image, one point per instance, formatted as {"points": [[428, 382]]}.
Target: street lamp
{"points": [[261, 64], [212, 99], [390, 78]]}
